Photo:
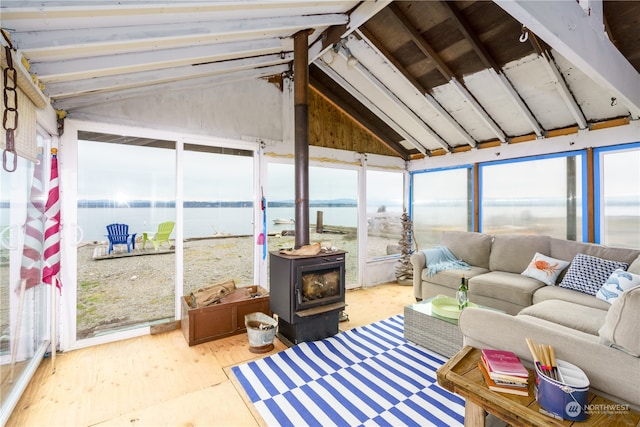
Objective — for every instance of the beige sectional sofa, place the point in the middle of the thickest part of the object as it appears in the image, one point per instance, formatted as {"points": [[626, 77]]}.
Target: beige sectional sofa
{"points": [[601, 337]]}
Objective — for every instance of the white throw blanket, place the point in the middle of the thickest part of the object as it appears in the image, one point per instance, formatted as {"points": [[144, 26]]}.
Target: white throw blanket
{"points": [[440, 258]]}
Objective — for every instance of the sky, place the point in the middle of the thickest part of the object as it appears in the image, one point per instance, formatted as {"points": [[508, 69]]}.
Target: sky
{"points": [[143, 173]]}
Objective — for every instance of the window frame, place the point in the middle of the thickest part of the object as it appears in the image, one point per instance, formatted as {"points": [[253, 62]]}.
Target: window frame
{"points": [[581, 154], [471, 190], [598, 200]]}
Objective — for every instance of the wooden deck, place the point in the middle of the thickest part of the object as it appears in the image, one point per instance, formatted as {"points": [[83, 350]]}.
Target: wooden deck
{"points": [[159, 380], [101, 252]]}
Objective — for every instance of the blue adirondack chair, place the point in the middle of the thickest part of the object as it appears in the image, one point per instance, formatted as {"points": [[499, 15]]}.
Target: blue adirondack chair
{"points": [[118, 234]]}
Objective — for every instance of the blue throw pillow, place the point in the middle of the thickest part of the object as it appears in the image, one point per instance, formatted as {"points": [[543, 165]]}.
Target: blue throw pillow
{"points": [[588, 273], [620, 281]]}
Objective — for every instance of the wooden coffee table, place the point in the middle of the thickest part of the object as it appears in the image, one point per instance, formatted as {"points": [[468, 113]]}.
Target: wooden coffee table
{"points": [[461, 375]]}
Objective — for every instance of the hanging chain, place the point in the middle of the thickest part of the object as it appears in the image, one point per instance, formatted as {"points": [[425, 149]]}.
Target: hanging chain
{"points": [[10, 111]]}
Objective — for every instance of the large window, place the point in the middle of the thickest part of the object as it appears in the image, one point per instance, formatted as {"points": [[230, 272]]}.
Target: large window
{"points": [[533, 196], [384, 212], [333, 198], [619, 203], [333, 195], [441, 200]]}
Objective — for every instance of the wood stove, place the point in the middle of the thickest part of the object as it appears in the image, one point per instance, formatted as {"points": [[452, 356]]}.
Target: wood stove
{"points": [[307, 294]]}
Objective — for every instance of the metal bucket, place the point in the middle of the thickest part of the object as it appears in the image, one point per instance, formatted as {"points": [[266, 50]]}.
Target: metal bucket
{"points": [[261, 330]]}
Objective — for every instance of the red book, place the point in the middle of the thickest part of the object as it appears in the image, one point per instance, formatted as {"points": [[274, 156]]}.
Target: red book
{"points": [[503, 362]]}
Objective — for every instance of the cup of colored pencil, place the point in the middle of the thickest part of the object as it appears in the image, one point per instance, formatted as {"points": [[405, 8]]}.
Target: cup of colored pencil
{"points": [[544, 358]]}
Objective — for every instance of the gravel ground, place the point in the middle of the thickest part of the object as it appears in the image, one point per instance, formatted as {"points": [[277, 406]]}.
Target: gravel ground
{"points": [[123, 290]]}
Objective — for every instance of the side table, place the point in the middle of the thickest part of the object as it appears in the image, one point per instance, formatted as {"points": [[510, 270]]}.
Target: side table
{"points": [[423, 327], [461, 375]]}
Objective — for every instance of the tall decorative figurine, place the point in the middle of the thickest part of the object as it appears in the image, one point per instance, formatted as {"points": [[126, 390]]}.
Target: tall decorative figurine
{"points": [[404, 268]]}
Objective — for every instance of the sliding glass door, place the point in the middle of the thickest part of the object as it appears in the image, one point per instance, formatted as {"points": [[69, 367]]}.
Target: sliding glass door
{"points": [[125, 278], [127, 203], [218, 196]]}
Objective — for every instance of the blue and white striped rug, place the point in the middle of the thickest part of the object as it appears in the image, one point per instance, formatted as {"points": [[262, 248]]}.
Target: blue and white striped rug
{"points": [[366, 376]]}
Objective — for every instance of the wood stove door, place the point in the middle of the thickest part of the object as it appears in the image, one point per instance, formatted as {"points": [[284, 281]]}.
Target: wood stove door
{"points": [[319, 284]]}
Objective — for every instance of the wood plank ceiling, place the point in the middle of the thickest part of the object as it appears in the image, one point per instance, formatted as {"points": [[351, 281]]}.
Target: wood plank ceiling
{"points": [[426, 77]]}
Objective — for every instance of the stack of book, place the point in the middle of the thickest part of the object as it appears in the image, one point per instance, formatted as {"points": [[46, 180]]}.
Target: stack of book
{"points": [[504, 372]]}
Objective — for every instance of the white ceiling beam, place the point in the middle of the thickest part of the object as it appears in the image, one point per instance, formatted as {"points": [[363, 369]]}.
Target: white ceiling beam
{"points": [[477, 108], [383, 89], [68, 89], [450, 120], [501, 80], [518, 103], [365, 11], [44, 44], [37, 16], [563, 90], [366, 47], [82, 68], [581, 39], [370, 105], [139, 92], [360, 15]]}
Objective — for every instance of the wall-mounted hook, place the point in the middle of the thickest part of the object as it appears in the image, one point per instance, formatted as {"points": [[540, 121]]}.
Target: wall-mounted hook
{"points": [[524, 35]]}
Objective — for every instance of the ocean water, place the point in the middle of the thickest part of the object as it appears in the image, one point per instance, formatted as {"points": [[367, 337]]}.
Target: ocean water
{"points": [[202, 222]]}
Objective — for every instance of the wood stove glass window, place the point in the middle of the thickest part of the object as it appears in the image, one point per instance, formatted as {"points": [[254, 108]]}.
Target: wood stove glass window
{"points": [[320, 284]]}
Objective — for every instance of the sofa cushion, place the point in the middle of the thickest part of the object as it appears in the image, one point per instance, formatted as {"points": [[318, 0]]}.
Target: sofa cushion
{"points": [[555, 292], [619, 282], [588, 273], [634, 267], [512, 253], [571, 315], [474, 248], [545, 269], [503, 286], [568, 249], [451, 278], [620, 329]]}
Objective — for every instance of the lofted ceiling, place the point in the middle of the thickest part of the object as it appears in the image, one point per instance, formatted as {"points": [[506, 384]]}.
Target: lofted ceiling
{"points": [[426, 77]]}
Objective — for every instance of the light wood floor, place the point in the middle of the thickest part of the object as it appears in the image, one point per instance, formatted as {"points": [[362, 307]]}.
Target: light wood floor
{"points": [[158, 380]]}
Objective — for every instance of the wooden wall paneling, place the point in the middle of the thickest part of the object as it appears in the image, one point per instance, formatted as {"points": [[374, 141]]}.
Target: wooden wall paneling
{"points": [[331, 128]]}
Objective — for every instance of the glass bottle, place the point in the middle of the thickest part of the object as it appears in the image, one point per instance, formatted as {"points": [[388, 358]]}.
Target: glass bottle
{"points": [[462, 294]]}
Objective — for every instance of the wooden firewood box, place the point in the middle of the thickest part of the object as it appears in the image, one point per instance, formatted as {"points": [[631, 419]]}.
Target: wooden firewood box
{"points": [[220, 320]]}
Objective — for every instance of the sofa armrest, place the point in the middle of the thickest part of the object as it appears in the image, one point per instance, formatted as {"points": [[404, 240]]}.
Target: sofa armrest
{"points": [[610, 371], [419, 261]]}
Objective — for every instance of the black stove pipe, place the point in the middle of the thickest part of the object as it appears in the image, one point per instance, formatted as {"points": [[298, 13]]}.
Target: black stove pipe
{"points": [[301, 144]]}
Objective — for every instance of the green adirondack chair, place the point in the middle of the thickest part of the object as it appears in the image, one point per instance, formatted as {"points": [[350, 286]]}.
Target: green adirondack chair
{"points": [[162, 235]]}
